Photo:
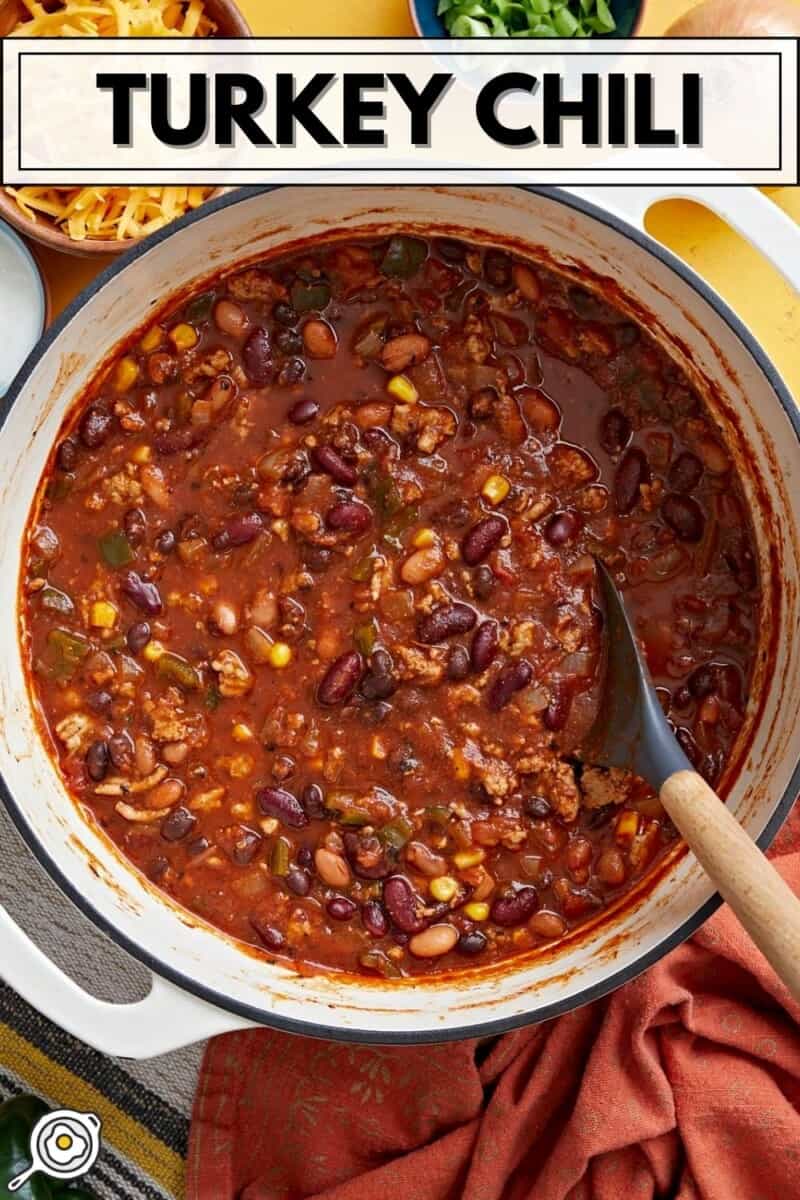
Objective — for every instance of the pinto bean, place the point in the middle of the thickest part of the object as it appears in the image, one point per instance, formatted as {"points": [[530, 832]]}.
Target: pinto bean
{"points": [[446, 621], [481, 539], [423, 859], [434, 941], [404, 906], [330, 462], [632, 472], [350, 516], [320, 339], [277, 802], [230, 318], [332, 868], [165, 794], [515, 908], [341, 679], [404, 351], [423, 564], [547, 925], [526, 282], [484, 645], [142, 592], [511, 679]]}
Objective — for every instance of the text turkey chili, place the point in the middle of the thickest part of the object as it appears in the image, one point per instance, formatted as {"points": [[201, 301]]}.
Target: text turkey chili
{"points": [[310, 600]]}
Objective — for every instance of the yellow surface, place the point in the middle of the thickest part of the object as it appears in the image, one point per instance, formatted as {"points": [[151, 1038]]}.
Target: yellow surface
{"points": [[754, 288]]}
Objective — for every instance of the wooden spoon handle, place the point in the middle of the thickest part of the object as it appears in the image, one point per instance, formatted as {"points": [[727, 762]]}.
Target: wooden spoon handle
{"points": [[766, 907]]}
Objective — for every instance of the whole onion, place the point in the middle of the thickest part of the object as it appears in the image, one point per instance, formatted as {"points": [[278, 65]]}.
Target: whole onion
{"points": [[739, 18]]}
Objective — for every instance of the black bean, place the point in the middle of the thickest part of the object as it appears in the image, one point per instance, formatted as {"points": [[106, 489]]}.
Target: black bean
{"points": [[511, 679], [484, 645], [284, 314], [316, 558], [446, 621], [95, 426], [562, 528], [471, 942], [135, 525], [67, 457], [450, 249], [516, 907], [289, 341], [403, 905], [239, 531], [482, 538], [341, 908], [685, 473], [138, 636], [198, 846], [484, 581], [277, 802], [689, 746], [457, 663], [177, 824], [380, 681], [291, 372], [303, 410], [166, 542], [120, 749], [685, 516], [615, 431], [632, 472], [497, 268], [330, 462], [351, 516], [272, 938], [555, 715], [304, 857], [97, 760], [313, 802], [538, 807], [184, 437], [341, 679], [298, 881], [100, 701], [144, 594], [257, 357], [246, 847], [374, 919], [703, 681]]}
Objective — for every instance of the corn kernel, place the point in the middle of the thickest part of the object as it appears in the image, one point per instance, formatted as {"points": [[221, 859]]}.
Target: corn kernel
{"points": [[378, 747], [495, 489], [126, 374], [103, 615], [269, 825], [142, 455], [152, 338], [443, 888], [183, 336], [627, 826], [424, 538], [476, 911], [280, 527], [153, 650], [468, 858], [401, 387], [280, 655], [241, 733], [461, 767]]}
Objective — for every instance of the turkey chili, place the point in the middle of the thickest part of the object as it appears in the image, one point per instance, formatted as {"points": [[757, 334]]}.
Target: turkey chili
{"points": [[310, 601]]}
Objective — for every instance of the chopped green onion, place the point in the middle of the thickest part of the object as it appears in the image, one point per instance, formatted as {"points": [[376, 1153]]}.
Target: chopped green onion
{"points": [[526, 18]]}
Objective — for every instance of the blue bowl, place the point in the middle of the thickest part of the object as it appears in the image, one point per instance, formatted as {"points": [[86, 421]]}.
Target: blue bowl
{"points": [[627, 14]]}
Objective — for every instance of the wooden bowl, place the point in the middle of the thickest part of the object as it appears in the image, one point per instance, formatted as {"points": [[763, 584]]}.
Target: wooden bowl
{"points": [[230, 24]]}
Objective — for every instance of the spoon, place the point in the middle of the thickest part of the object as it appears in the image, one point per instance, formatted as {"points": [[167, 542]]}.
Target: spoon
{"points": [[631, 731]]}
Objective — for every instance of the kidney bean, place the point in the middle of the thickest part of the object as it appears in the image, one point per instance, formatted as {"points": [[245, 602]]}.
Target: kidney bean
{"points": [[685, 473], [457, 663], [615, 431], [403, 905], [434, 941], [482, 403], [67, 456], [303, 410], [374, 919], [97, 759], [176, 441], [313, 802], [484, 645], [166, 542], [341, 908], [555, 714], [330, 462], [471, 942], [257, 357], [142, 592], [511, 679], [120, 749], [135, 525], [284, 314], [537, 806], [320, 339], [332, 868], [446, 621], [497, 268], [351, 516], [177, 824], [239, 531], [276, 802], [272, 938], [562, 528], [516, 907], [138, 636], [95, 426], [483, 581], [685, 516], [380, 681], [298, 881], [482, 538], [100, 701], [632, 472], [341, 679]]}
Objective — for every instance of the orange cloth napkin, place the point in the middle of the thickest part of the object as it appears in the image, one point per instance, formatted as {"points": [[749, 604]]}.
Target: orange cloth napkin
{"points": [[684, 1084]]}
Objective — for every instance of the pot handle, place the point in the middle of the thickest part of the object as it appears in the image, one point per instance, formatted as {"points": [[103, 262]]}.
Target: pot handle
{"points": [[166, 1019], [746, 209]]}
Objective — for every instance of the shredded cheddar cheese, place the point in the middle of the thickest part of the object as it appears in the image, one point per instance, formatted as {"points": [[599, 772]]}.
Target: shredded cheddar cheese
{"points": [[108, 213]]}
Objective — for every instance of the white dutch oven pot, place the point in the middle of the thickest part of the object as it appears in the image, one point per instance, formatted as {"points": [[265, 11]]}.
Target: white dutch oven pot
{"points": [[203, 982]]}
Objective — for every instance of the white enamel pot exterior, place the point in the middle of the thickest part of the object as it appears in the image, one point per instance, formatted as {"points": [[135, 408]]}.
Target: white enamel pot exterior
{"points": [[207, 982]]}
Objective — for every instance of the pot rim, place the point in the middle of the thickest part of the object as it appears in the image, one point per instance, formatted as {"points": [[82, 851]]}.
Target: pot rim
{"points": [[319, 1029]]}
